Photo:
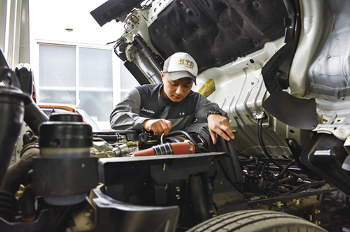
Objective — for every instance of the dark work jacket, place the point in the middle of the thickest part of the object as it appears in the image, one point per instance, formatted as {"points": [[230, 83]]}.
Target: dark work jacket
{"points": [[145, 102]]}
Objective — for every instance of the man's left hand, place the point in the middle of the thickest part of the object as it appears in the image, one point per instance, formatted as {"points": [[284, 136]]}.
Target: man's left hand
{"points": [[219, 125]]}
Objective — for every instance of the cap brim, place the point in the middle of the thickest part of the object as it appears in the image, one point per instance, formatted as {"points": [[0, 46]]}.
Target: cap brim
{"points": [[181, 74]]}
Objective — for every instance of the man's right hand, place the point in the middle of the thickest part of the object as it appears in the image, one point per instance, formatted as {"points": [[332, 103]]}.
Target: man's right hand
{"points": [[158, 126]]}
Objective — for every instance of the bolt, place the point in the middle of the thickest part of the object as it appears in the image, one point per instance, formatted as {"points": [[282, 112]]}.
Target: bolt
{"points": [[177, 189], [317, 211], [178, 196], [318, 222]]}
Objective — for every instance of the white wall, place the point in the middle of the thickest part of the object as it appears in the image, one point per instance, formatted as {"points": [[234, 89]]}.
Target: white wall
{"points": [[49, 20]]}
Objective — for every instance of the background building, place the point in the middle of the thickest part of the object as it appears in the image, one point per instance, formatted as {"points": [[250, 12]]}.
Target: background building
{"points": [[71, 55]]}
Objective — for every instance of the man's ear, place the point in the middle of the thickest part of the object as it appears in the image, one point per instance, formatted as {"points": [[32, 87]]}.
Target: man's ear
{"points": [[162, 75]]}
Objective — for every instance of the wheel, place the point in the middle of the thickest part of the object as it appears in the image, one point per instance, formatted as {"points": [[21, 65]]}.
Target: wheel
{"points": [[256, 221]]}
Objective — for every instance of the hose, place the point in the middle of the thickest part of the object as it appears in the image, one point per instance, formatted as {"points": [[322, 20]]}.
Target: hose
{"points": [[168, 149], [262, 145]]}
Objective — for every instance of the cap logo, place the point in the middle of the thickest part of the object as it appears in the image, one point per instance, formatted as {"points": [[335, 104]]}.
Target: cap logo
{"points": [[186, 63]]}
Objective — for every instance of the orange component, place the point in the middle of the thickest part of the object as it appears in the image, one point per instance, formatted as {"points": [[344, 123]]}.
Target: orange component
{"points": [[146, 152], [181, 148], [168, 149]]}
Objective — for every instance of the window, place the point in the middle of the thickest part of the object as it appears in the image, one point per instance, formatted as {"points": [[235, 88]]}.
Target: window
{"points": [[57, 73], [83, 76], [79, 76]]}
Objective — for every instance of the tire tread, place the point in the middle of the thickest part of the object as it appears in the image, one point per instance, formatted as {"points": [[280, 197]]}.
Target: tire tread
{"points": [[256, 221]]}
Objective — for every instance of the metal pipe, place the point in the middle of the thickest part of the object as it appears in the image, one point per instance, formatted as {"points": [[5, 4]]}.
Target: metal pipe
{"points": [[289, 197]]}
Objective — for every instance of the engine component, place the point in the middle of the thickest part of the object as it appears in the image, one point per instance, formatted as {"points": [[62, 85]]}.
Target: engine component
{"points": [[64, 145], [11, 113], [33, 116], [103, 149], [208, 88], [113, 215], [325, 155], [186, 147], [121, 150], [7, 205]]}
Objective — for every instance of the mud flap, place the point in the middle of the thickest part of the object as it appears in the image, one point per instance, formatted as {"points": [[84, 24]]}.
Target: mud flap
{"points": [[296, 112]]}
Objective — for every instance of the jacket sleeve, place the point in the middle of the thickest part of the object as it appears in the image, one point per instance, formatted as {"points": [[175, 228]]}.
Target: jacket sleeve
{"points": [[203, 106], [126, 114]]}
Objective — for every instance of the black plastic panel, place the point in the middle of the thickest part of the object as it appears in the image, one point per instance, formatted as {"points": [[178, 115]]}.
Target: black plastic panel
{"points": [[325, 155]]}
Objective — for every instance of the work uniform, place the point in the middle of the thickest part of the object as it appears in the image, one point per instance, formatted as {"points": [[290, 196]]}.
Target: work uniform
{"points": [[145, 102]]}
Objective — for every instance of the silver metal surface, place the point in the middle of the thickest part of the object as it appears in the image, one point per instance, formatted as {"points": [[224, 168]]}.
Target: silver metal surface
{"points": [[121, 150], [190, 144], [162, 157], [329, 72]]}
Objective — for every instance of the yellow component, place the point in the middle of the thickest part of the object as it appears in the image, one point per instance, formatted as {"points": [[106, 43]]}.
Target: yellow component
{"points": [[208, 88], [132, 143], [134, 19]]}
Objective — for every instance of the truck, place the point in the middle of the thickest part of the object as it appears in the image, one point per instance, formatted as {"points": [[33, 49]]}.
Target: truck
{"points": [[280, 71]]}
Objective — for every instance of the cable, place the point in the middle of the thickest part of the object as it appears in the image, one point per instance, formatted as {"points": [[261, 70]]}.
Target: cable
{"points": [[305, 186], [161, 138], [283, 171], [262, 145]]}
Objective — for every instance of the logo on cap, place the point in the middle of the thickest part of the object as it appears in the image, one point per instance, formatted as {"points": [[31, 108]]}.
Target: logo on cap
{"points": [[186, 63]]}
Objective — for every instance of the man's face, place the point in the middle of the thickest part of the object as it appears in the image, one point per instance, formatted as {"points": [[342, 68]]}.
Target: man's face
{"points": [[177, 90]]}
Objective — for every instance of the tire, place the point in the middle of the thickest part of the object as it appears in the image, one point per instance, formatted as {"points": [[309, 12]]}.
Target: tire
{"points": [[256, 221]]}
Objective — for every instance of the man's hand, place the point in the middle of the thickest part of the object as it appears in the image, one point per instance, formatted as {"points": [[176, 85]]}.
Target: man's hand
{"points": [[220, 125], [158, 126]]}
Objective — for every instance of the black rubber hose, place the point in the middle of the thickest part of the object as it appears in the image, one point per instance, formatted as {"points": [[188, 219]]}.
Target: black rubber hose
{"points": [[261, 141], [302, 187], [283, 171], [181, 132], [7, 206], [17, 173], [33, 115]]}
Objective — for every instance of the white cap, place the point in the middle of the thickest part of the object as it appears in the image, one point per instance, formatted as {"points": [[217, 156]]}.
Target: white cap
{"points": [[181, 65]]}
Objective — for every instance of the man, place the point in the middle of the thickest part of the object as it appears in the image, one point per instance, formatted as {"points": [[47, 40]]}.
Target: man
{"points": [[171, 105]]}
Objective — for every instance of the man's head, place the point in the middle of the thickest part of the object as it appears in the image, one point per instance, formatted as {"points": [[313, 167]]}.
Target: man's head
{"points": [[181, 65], [179, 72]]}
